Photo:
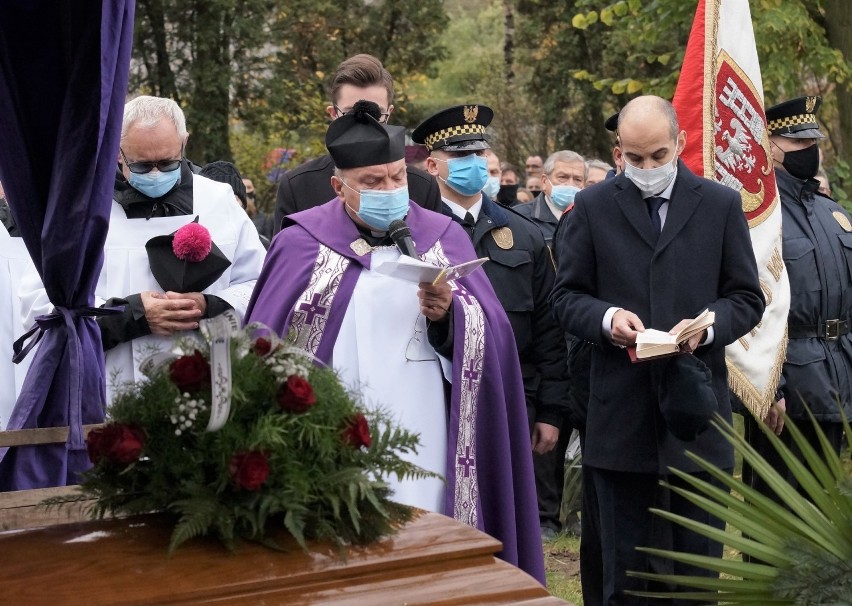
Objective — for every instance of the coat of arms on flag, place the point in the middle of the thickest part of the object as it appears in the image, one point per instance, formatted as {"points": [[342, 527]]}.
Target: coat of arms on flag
{"points": [[719, 101]]}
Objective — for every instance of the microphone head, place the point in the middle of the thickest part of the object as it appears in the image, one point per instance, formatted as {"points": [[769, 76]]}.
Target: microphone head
{"points": [[398, 230]]}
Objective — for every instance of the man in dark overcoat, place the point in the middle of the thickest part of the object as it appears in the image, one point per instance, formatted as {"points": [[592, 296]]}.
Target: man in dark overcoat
{"points": [[650, 248]]}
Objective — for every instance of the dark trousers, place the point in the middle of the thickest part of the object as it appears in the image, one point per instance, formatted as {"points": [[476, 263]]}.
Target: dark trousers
{"points": [[753, 434], [549, 470], [616, 520]]}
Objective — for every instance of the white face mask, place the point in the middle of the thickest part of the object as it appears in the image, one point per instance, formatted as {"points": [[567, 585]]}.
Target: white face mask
{"points": [[651, 181]]}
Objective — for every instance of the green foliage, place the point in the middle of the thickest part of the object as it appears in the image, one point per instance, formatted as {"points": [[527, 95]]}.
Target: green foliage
{"points": [[589, 57], [266, 63], [320, 485], [803, 545]]}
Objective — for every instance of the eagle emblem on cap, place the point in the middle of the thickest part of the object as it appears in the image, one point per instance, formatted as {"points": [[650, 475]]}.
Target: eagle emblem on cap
{"points": [[810, 104], [470, 113]]}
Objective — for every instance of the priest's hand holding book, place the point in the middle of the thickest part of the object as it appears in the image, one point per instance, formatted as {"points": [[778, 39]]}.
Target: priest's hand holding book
{"points": [[435, 300]]}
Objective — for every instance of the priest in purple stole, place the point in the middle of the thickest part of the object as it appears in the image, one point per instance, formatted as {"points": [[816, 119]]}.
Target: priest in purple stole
{"points": [[399, 343]]}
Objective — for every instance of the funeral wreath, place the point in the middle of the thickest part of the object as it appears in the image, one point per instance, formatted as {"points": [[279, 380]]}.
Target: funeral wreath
{"points": [[243, 436]]}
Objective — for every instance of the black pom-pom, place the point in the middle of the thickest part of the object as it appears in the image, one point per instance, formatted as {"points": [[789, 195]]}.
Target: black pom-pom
{"points": [[366, 110]]}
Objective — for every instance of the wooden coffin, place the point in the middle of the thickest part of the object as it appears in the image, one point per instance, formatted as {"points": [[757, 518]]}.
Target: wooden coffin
{"points": [[432, 560]]}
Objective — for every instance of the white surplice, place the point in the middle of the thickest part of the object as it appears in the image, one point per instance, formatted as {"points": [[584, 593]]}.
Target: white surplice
{"points": [[378, 330], [15, 263], [126, 270]]}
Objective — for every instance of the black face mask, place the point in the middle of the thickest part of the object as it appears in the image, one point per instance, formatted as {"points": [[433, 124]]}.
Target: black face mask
{"points": [[507, 194], [802, 163]]}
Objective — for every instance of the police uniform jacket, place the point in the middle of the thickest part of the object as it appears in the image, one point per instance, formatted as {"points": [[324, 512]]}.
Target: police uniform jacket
{"points": [[309, 185], [539, 213], [522, 275], [817, 248]]}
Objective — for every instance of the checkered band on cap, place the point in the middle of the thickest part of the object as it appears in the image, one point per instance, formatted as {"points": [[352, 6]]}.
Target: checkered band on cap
{"points": [[454, 131], [785, 123]]}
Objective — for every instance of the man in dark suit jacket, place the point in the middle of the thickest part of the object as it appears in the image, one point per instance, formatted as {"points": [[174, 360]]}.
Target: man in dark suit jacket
{"points": [[361, 77], [618, 274]]}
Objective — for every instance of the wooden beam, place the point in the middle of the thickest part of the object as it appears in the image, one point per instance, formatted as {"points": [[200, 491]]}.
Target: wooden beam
{"points": [[41, 435]]}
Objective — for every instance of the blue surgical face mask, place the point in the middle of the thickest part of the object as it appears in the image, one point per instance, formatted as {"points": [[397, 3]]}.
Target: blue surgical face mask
{"points": [[492, 187], [563, 195], [379, 208], [155, 184], [468, 174]]}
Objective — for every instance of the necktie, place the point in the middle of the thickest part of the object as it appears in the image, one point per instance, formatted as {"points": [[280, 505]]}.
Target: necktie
{"points": [[654, 203], [468, 223]]}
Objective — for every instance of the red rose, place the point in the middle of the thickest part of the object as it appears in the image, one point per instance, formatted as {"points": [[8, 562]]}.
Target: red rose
{"points": [[115, 442], [296, 395], [190, 373], [357, 432], [262, 347], [249, 470]]}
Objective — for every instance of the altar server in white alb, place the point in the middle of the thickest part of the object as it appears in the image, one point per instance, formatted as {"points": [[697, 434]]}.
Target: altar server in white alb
{"points": [[165, 282], [15, 263]]}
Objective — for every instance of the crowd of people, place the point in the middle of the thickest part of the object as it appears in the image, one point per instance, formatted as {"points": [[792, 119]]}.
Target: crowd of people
{"points": [[498, 369]]}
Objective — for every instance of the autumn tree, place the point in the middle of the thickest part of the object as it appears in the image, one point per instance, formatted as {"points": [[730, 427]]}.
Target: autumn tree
{"points": [[264, 64], [590, 57]]}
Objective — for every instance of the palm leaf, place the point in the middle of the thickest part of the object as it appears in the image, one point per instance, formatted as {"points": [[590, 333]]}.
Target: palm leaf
{"points": [[804, 543]]}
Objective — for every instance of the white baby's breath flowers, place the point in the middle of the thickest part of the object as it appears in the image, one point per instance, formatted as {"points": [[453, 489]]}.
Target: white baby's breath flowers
{"points": [[186, 412]]}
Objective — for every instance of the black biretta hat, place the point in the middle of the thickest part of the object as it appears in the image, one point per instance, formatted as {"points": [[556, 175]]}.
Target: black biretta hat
{"points": [[458, 128], [686, 397], [358, 139], [795, 119], [182, 275]]}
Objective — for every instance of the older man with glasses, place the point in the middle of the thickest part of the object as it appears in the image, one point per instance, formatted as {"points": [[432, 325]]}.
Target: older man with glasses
{"points": [[163, 292]]}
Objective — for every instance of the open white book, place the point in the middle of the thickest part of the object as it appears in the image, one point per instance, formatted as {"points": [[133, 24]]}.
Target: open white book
{"points": [[417, 271], [655, 343]]}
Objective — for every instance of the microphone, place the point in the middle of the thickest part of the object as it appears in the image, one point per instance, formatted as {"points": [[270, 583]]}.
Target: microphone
{"points": [[401, 236]]}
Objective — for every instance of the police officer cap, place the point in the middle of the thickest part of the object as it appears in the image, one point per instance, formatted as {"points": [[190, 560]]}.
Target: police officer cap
{"points": [[359, 139], [459, 128], [795, 118]]}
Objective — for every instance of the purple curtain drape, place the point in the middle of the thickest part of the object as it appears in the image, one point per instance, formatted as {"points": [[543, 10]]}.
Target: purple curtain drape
{"points": [[63, 77]]}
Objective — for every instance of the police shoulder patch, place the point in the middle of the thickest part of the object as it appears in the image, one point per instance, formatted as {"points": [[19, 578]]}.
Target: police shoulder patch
{"points": [[843, 220], [503, 237]]}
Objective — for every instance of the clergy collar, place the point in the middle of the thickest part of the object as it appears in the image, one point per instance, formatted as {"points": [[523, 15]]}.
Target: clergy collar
{"points": [[373, 238], [460, 212]]}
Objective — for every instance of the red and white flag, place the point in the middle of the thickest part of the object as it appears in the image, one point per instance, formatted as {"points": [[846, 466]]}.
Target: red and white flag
{"points": [[719, 102]]}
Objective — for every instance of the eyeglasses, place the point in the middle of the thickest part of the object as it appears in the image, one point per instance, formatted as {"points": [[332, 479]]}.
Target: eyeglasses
{"points": [[140, 168], [418, 348], [383, 118]]}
